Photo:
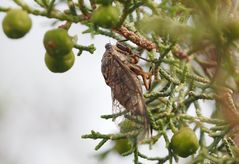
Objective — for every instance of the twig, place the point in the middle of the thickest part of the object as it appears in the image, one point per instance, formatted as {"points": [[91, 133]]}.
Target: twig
{"points": [[136, 160], [82, 7], [97, 135], [72, 7], [93, 4], [102, 142], [135, 38], [91, 48], [50, 8], [4, 9], [113, 116], [54, 14]]}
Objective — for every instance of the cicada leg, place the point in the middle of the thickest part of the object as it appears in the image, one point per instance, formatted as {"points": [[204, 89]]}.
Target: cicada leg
{"points": [[146, 76], [134, 59]]}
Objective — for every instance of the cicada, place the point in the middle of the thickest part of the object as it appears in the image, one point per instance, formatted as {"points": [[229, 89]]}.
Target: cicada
{"points": [[121, 75]]}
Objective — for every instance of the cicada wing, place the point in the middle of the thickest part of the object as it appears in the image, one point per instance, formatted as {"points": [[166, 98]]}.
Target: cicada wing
{"points": [[127, 89], [118, 109], [123, 114], [116, 106]]}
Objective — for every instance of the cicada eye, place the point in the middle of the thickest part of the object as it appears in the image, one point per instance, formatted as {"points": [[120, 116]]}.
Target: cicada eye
{"points": [[108, 46]]}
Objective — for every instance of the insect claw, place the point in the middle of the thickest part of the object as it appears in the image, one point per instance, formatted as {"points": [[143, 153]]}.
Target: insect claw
{"points": [[134, 59], [147, 76]]}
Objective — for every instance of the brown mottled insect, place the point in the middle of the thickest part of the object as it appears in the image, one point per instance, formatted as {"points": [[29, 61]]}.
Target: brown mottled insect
{"points": [[120, 72]]}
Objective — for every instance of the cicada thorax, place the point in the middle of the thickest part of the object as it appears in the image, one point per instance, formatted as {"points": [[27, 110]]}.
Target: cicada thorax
{"points": [[125, 86], [132, 57]]}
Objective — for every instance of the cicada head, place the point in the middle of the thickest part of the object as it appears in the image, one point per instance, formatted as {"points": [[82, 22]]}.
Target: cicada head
{"points": [[108, 46]]}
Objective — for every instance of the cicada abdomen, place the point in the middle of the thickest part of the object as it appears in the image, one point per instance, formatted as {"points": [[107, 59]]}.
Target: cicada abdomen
{"points": [[125, 85]]}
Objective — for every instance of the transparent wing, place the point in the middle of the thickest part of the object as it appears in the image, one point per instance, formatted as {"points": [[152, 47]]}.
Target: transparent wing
{"points": [[117, 108], [126, 88]]}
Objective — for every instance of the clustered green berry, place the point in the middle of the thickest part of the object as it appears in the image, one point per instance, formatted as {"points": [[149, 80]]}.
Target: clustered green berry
{"points": [[16, 23], [106, 16], [184, 143], [59, 65], [57, 42], [122, 146], [59, 57], [231, 29]]}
